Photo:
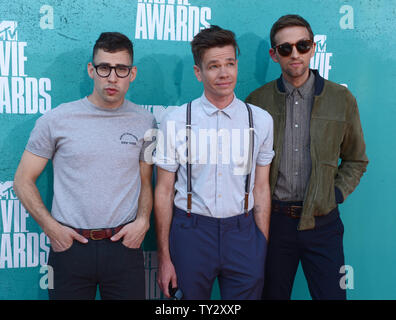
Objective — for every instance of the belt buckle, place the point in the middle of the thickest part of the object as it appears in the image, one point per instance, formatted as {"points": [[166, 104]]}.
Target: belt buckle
{"points": [[293, 211], [91, 234]]}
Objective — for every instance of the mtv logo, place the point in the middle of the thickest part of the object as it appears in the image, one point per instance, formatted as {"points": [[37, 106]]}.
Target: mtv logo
{"points": [[320, 40], [8, 31], [6, 190]]}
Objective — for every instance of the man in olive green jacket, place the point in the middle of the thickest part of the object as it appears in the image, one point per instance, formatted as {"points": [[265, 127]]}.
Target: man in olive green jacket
{"points": [[316, 123]]}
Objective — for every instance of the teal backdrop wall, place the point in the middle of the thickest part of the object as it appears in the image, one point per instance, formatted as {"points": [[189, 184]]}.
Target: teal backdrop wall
{"points": [[46, 45]]}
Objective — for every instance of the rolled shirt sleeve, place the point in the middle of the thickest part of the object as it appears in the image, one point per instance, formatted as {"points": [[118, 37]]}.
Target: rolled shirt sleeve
{"points": [[266, 152]]}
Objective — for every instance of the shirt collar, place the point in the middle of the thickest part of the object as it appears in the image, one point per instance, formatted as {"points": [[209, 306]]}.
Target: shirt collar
{"points": [[96, 107], [305, 90], [211, 109]]}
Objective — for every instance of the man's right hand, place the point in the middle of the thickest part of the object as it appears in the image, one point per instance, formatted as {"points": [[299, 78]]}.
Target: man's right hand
{"points": [[62, 238], [29, 169], [166, 275]]}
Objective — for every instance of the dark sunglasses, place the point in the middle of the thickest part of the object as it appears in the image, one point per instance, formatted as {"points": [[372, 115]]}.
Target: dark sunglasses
{"points": [[286, 49]]}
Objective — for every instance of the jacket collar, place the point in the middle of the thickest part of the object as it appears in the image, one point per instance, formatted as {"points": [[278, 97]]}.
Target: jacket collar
{"points": [[319, 83]]}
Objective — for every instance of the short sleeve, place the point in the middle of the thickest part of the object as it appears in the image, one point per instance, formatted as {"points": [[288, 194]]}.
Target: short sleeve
{"points": [[40, 141]]}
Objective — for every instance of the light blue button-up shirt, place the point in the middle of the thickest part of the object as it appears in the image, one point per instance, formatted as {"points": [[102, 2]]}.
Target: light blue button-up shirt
{"points": [[219, 154]]}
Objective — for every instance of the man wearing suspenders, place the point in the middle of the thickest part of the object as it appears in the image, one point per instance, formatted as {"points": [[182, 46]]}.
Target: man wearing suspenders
{"points": [[212, 197]]}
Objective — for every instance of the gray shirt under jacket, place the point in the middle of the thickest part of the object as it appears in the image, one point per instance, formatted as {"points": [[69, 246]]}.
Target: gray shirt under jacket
{"points": [[295, 164], [95, 154]]}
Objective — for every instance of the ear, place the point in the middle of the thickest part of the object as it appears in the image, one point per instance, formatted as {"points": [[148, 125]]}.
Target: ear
{"points": [[91, 70], [133, 74], [273, 55], [313, 49], [197, 72]]}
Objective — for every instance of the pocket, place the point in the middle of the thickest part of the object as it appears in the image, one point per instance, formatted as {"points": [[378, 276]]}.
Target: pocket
{"points": [[182, 221], [327, 135], [325, 195], [240, 167], [261, 245], [260, 234], [128, 248], [128, 258], [62, 251], [340, 226]]}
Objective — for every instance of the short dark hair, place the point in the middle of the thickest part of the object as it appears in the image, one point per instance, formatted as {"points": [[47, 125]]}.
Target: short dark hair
{"points": [[113, 42], [210, 38], [289, 20]]}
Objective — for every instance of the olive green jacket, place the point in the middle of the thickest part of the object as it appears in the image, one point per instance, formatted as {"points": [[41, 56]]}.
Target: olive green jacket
{"points": [[335, 133]]}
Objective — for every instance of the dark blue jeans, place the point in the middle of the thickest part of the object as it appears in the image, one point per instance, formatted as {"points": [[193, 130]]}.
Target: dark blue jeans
{"points": [[320, 251], [116, 270], [231, 249]]}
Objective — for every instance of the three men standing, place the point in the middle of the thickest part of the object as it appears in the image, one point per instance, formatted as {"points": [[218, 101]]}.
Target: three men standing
{"points": [[214, 185]]}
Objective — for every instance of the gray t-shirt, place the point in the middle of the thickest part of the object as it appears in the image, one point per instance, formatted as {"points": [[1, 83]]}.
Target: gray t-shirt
{"points": [[95, 154]]}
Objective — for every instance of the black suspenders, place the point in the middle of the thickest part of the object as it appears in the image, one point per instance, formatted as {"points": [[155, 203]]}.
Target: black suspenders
{"points": [[250, 159], [188, 137]]}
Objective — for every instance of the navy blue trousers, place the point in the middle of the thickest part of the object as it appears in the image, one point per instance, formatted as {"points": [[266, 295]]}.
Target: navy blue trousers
{"points": [[320, 251], [232, 250]]}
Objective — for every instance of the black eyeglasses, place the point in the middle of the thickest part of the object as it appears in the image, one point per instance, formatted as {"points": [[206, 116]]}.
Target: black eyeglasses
{"points": [[286, 49], [104, 70]]}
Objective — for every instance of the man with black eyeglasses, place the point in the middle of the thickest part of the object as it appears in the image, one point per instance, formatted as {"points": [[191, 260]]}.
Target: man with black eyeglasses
{"points": [[316, 124], [102, 182]]}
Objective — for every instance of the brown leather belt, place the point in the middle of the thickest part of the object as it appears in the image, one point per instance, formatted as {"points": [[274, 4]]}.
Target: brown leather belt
{"points": [[290, 210], [98, 234]]}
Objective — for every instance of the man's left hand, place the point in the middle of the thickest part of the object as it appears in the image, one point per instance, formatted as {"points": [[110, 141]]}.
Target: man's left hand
{"points": [[132, 233]]}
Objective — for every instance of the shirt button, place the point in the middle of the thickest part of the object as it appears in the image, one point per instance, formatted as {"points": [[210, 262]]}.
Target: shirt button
{"points": [[219, 195], [296, 125], [296, 150], [296, 102]]}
